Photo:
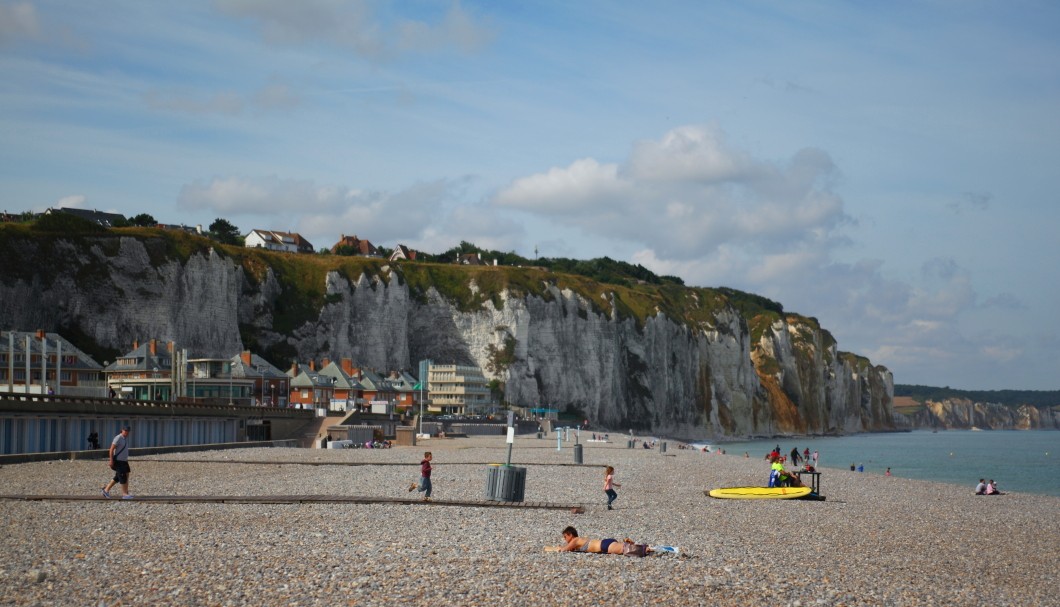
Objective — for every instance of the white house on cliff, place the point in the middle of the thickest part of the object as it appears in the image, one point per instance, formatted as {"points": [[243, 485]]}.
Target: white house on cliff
{"points": [[278, 241]]}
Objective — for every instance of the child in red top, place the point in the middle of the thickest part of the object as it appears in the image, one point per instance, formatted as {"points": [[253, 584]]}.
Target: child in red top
{"points": [[609, 485], [425, 477]]}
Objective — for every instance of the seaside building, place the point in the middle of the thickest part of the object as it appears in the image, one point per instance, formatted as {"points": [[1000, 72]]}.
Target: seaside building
{"points": [[378, 391], [342, 387], [41, 363], [348, 393], [458, 389], [406, 390], [309, 388], [143, 373], [152, 371], [270, 386]]}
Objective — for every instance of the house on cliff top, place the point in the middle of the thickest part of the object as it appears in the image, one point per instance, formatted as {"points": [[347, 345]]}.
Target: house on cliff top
{"points": [[402, 252], [277, 241], [107, 220], [353, 246]]}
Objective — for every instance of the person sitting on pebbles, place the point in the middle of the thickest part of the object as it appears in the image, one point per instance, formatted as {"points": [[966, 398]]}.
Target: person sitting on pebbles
{"points": [[779, 477], [604, 546]]}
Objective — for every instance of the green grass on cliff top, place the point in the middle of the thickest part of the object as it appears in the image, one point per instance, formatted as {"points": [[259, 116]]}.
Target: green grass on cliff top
{"points": [[302, 279]]}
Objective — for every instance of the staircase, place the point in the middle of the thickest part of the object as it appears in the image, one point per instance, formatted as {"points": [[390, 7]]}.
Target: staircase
{"points": [[317, 429]]}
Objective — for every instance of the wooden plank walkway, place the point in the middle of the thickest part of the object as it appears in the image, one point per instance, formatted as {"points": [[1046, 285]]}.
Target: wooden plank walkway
{"points": [[263, 462], [291, 499]]}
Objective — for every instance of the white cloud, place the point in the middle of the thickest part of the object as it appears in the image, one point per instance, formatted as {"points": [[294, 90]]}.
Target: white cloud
{"points": [[1005, 301], [688, 194], [583, 186], [260, 196], [77, 201], [478, 224], [422, 216], [1000, 353], [458, 29], [976, 201], [273, 96], [354, 25], [689, 153], [18, 21]]}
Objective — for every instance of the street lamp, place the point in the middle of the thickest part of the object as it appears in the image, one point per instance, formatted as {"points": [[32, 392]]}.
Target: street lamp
{"points": [[425, 368]]}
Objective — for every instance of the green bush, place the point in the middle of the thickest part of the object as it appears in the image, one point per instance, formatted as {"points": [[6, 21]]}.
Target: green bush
{"points": [[65, 223]]}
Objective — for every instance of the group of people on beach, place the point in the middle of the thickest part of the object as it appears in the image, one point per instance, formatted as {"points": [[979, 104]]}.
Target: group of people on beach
{"points": [[781, 477], [574, 543], [805, 458], [985, 488]]}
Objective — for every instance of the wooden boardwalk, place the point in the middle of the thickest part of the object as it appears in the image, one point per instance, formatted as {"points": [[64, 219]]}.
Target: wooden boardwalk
{"points": [[291, 499], [272, 462]]}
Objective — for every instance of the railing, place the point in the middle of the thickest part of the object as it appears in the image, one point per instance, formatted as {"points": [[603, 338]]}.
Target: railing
{"points": [[18, 400]]}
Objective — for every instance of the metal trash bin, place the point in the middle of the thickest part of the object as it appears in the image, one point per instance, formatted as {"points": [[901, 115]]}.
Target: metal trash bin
{"points": [[505, 483], [578, 453]]}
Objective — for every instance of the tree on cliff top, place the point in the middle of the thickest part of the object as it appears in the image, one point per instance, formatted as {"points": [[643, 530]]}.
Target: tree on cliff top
{"points": [[225, 233], [144, 220], [65, 223]]}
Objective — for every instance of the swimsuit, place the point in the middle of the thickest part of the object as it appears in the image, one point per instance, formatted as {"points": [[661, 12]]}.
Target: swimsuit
{"points": [[604, 544]]}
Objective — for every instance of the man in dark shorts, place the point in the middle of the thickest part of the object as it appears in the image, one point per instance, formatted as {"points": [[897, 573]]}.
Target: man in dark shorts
{"points": [[119, 463]]}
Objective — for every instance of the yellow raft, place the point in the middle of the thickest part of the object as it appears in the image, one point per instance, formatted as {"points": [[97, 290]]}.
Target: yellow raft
{"points": [[759, 493]]}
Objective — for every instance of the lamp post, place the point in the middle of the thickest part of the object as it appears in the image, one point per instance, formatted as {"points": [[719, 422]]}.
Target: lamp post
{"points": [[425, 369], [230, 383], [269, 400]]}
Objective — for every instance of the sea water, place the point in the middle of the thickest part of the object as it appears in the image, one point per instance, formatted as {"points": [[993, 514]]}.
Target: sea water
{"points": [[1019, 460]]}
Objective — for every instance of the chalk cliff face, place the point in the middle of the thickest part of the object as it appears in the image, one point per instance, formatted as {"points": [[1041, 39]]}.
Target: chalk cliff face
{"points": [[723, 376], [953, 414]]}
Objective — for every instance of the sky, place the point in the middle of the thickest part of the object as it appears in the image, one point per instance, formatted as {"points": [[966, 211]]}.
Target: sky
{"points": [[887, 168]]}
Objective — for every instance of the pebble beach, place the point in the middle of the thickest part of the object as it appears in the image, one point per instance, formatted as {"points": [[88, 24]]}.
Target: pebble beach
{"points": [[874, 541]]}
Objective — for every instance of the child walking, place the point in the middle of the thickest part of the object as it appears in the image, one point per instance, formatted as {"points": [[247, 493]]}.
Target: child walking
{"points": [[425, 477], [609, 486]]}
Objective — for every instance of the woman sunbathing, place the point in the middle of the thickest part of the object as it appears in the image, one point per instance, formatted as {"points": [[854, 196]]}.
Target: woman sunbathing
{"points": [[605, 546]]}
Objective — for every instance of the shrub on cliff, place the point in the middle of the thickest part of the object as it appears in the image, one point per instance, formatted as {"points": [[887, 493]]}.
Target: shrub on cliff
{"points": [[65, 223]]}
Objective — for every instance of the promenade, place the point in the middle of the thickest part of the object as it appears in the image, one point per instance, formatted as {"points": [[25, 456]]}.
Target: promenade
{"points": [[874, 541]]}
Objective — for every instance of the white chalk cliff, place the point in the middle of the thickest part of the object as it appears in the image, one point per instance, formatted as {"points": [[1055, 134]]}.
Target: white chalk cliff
{"points": [[564, 346]]}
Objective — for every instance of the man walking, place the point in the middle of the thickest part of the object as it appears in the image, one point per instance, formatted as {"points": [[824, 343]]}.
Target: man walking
{"points": [[119, 463]]}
